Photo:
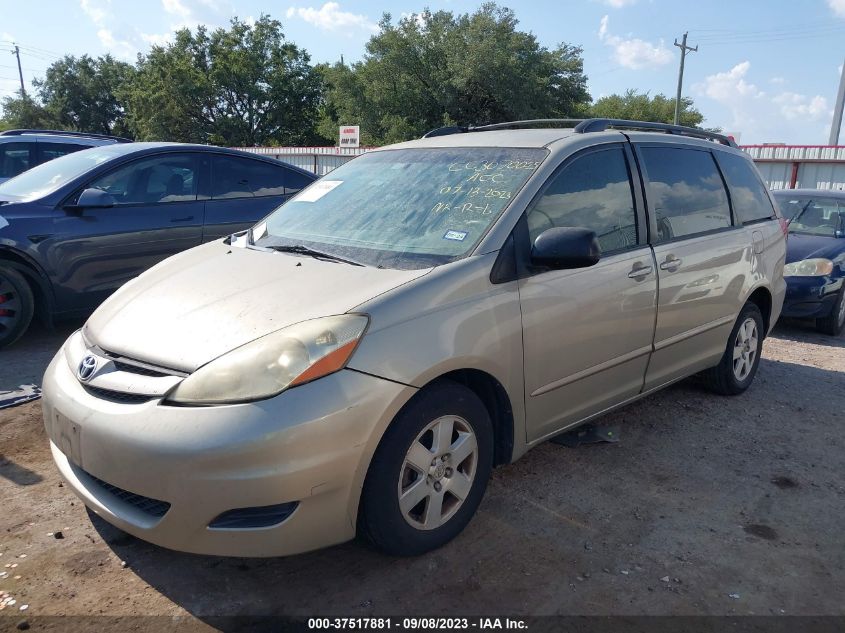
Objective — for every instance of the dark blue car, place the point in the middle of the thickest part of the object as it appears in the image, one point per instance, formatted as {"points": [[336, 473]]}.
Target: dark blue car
{"points": [[73, 230], [815, 257]]}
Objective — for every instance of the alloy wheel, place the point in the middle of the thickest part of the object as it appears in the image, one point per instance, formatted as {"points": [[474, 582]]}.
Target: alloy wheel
{"points": [[438, 472], [745, 349], [10, 305]]}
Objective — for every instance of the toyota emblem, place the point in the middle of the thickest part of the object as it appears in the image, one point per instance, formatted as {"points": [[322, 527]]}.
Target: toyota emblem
{"points": [[87, 368]]}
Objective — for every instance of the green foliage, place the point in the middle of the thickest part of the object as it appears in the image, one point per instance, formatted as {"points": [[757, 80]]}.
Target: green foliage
{"points": [[243, 86], [24, 112], [436, 69], [639, 106], [83, 93]]}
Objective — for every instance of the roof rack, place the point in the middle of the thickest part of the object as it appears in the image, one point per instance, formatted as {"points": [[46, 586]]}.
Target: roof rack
{"points": [[584, 126], [118, 139]]}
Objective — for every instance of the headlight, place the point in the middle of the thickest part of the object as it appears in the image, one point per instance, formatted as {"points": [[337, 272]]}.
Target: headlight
{"points": [[267, 366], [808, 268]]}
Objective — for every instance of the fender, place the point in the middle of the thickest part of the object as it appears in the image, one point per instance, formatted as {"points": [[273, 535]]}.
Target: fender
{"points": [[35, 274]]}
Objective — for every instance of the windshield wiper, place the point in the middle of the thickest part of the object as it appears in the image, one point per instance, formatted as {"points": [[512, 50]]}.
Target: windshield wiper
{"points": [[300, 249]]}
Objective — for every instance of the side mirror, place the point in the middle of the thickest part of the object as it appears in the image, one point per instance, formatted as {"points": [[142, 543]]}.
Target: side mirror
{"points": [[94, 199], [565, 247]]}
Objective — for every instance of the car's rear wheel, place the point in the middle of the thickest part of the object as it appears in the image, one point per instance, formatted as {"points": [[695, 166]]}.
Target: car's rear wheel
{"points": [[429, 472], [834, 323], [738, 366], [17, 305]]}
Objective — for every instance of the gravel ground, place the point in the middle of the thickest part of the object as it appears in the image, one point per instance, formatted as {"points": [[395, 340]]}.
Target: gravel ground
{"points": [[707, 505]]}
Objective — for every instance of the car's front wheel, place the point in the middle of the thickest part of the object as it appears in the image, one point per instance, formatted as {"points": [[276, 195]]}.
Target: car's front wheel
{"points": [[834, 323], [429, 472], [17, 305], [738, 366]]}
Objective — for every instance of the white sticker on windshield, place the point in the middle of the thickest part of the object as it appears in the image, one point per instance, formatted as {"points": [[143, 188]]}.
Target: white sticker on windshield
{"points": [[318, 190], [3, 222], [458, 236]]}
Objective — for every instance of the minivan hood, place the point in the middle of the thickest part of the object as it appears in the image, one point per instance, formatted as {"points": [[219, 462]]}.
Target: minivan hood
{"points": [[200, 304]]}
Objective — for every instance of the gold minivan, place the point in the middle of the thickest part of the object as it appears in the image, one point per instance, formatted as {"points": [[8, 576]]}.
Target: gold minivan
{"points": [[360, 360]]}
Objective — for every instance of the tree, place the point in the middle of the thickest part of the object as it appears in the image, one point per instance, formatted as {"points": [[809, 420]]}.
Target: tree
{"points": [[639, 106], [435, 69], [83, 93], [243, 86], [23, 112]]}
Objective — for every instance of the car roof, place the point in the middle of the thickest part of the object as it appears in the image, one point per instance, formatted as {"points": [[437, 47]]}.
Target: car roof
{"points": [[125, 149], [530, 137]]}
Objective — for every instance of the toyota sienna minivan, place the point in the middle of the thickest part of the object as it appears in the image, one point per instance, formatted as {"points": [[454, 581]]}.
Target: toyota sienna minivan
{"points": [[359, 361]]}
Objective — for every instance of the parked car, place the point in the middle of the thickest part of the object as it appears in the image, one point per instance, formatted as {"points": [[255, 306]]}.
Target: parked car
{"points": [[75, 229], [23, 149], [815, 256], [363, 357]]}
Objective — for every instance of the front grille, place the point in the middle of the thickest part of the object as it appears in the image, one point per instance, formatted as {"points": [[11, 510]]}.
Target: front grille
{"points": [[137, 369], [117, 396], [257, 517], [152, 507]]}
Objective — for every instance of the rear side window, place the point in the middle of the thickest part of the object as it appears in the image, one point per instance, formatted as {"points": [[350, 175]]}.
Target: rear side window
{"points": [[15, 158], [235, 177], [50, 151], [594, 192], [748, 194], [166, 178], [686, 192]]}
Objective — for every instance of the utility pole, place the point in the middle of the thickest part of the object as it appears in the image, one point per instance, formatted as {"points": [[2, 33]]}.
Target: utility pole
{"points": [[684, 48], [836, 124], [17, 53]]}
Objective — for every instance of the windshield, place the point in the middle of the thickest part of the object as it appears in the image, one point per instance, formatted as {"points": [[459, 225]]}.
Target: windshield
{"points": [[404, 208], [812, 216], [47, 177]]}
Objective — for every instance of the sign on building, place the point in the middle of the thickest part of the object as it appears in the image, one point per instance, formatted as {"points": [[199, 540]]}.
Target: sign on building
{"points": [[350, 136]]}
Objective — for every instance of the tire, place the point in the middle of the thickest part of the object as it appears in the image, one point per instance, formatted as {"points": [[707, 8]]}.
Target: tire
{"points": [[400, 528], [834, 323], [746, 340], [17, 305]]}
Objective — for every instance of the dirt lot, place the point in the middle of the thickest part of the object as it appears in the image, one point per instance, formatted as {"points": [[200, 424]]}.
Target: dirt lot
{"points": [[707, 505]]}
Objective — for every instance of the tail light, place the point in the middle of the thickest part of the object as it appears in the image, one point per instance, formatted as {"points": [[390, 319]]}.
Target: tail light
{"points": [[784, 225]]}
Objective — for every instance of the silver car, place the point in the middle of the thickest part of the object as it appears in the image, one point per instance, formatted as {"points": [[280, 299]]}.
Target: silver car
{"points": [[361, 359]]}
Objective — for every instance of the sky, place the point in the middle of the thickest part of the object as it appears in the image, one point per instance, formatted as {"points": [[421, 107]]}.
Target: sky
{"points": [[767, 71]]}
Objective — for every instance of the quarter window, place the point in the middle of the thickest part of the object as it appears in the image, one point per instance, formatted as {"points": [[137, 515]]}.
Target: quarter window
{"points": [[235, 177], [686, 192], [748, 195], [50, 151], [594, 192], [14, 159], [170, 178]]}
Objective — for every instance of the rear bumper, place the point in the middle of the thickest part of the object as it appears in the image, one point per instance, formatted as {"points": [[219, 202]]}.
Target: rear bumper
{"points": [[810, 297]]}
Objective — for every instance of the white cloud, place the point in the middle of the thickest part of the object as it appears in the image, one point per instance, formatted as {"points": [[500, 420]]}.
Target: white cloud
{"points": [[95, 10], [329, 17], [726, 87], [618, 4], [760, 116], [837, 6], [176, 8], [795, 106], [634, 53]]}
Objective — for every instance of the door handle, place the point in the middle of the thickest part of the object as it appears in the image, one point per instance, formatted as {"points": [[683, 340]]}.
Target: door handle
{"points": [[671, 264], [639, 272], [187, 218]]}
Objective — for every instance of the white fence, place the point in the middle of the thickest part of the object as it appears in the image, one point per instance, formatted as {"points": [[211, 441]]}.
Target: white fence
{"points": [[317, 160]]}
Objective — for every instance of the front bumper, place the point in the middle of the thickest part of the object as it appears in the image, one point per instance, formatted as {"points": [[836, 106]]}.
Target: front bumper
{"points": [[810, 297], [310, 445]]}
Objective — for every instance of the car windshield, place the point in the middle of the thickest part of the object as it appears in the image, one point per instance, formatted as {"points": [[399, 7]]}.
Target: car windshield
{"points": [[812, 216], [47, 177], [403, 208]]}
